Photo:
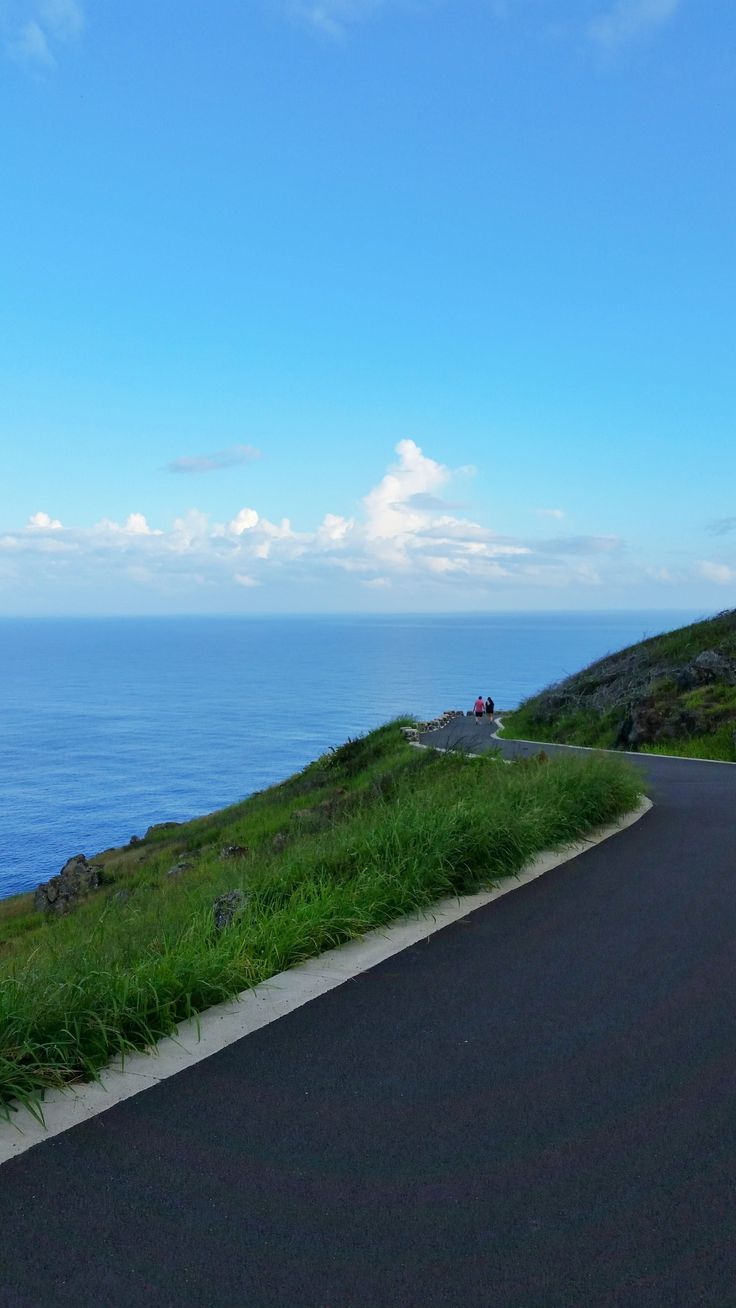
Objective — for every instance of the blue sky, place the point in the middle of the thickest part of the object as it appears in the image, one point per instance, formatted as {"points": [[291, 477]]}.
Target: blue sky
{"points": [[367, 304]]}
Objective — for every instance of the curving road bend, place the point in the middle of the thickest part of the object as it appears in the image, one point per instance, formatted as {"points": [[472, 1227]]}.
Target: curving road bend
{"points": [[536, 1107]]}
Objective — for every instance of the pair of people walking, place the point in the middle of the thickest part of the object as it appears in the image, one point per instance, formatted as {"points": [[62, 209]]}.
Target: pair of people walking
{"points": [[484, 708]]}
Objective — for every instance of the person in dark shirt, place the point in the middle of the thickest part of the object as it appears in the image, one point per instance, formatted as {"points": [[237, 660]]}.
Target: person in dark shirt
{"points": [[490, 709]]}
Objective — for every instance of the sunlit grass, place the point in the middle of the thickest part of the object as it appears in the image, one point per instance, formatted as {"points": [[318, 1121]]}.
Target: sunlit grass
{"points": [[371, 832]]}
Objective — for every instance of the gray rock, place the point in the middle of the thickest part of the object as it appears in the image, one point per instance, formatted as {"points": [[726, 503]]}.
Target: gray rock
{"points": [[712, 666], [135, 840], [234, 851], [120, 897], [227, 907], [182, 866], [280, 841], [62, 893], [705, 668]]}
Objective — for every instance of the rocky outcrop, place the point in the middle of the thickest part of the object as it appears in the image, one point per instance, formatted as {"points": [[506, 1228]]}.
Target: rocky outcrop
{"points": [[234, 851], [630, 682], [228, 907], [76, 880], [160, 826], [706, 668], [678, 685]]}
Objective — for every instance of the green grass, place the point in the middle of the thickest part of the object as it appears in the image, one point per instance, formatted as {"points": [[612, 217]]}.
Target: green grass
{"points": [[685, 643], [594, 730], [719, 745], [373, 830], [598, 731]]}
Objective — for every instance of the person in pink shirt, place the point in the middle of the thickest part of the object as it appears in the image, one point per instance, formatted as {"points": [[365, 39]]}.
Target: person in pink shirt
{"points": [[479, 708]]}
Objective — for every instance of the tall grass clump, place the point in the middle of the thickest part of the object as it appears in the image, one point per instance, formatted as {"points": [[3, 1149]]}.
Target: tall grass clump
{"points": [[368, 833]]}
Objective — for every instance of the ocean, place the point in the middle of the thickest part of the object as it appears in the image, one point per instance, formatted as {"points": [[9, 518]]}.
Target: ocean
{"points": [[110, 724]]}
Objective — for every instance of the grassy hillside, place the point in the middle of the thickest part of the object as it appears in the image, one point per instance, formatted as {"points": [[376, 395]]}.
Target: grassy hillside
{"points": [[672, 694], [363, 835]]}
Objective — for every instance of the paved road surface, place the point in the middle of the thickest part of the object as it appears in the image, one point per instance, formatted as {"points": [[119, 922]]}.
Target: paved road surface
{"points": [[536, 1107]]}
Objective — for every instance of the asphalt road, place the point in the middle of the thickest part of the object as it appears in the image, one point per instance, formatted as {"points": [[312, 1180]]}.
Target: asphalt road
{"points": [[535, 1107]]}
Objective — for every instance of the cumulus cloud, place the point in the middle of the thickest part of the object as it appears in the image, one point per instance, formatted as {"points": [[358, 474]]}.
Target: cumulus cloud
{"points": [[135, 525], [628, 20], [244, 520], [401, 538], [229, 458], [391, 511], [44, 522], [34, 31], [720, 573]]}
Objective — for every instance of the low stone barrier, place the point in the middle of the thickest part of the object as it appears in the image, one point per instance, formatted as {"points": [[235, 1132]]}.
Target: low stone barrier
{"points": [[412, 734]]}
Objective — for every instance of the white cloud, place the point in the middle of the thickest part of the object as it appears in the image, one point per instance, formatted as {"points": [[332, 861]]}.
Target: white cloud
{"points": [[43, 522], [550, 513], [63, 17], [135, 525], [30, 46], [191, 529], [335, 529], [587, 574], [32, 30], [629, 19], [229, 458], [664, 575], [720, 573], [377, 583], [333, 17], [391, 514], [244, 520], [402, 539]]}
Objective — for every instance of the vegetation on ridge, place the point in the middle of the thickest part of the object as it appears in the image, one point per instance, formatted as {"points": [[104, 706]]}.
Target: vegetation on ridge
{"points": [[368, 832], [671, 694]]}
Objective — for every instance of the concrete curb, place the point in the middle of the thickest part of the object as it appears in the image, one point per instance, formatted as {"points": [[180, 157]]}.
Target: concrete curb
{"points": [[218, 1027], [618, 753]]}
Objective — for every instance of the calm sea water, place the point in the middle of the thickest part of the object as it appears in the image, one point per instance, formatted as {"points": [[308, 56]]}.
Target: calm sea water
{"points": [[111, 724]]}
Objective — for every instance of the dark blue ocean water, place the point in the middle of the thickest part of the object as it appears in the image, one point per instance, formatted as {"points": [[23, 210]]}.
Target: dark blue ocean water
{"points": [[108, 725]]}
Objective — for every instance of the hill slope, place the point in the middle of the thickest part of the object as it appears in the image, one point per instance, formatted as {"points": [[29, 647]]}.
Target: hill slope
{"points": [[672, 694]]}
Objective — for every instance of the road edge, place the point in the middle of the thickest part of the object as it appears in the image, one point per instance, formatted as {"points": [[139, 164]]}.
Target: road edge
{"points": [[218, 1027]]}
